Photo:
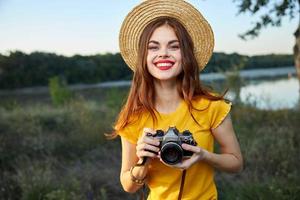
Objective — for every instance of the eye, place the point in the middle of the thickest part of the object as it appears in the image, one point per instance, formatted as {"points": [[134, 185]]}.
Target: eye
{"points": [[152, 47], [175, 47]]}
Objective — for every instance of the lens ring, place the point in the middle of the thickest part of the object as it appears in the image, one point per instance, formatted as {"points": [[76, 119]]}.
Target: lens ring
{"points": [[171, 153]]}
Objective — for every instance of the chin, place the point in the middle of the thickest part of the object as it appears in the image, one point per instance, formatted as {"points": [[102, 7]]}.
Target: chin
{"points": [[165, 78], [170, 74]]}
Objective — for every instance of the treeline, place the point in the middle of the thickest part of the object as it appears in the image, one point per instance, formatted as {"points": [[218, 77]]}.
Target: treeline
{"points": [[221, 62], [25, 70], [19, 70]]}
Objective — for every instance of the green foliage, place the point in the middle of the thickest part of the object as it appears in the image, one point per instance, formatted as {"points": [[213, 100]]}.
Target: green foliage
{"points": [[57, 153], [269, 61], [59, 92], [278, 190], [51, 152], [115, 99], [103, 194], [18, 70], [269, 143], [221, 62], [273, 14], [234, 81], [60, 194], [35, 181]]}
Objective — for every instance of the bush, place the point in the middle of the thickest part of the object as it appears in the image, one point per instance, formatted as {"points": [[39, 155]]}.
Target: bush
{"points": [[59, 92], [52, 153]]}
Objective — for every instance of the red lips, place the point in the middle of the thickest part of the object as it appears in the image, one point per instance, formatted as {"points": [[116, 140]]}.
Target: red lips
{"points": [[164, 61], [164, 67]]}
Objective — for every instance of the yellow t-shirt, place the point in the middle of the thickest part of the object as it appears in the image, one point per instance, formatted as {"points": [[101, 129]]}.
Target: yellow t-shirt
{"points": [[163, 181]]}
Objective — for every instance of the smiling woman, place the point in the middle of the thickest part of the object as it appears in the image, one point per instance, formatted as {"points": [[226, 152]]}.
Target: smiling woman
{"points": [[166, 43], [164, 56]]}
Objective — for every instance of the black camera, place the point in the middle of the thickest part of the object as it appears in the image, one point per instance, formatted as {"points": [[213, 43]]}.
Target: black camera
{"points": [[171, 151]]}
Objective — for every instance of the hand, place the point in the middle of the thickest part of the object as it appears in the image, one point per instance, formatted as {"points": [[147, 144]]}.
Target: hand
{"points": [[146, 144], [199, 154]]}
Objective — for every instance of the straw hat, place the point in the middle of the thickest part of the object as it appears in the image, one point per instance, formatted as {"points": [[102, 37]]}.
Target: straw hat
{"points": [[148, 11]]}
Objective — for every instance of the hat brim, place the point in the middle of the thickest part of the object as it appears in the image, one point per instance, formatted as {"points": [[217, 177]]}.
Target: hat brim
{"points": [[148, 11]]}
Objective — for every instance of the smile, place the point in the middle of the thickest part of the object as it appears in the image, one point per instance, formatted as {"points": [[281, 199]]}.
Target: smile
{"points": [[164, 65]]}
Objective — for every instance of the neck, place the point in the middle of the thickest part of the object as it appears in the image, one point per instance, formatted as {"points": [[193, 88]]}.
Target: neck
{"points": [[167, 97]]}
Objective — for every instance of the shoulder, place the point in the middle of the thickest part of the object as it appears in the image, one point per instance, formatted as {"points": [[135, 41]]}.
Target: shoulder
{"points": [[134, 127], [212, 112], [204, 103]]}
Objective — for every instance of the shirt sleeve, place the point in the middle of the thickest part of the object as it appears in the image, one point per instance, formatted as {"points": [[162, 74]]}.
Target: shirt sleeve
{"points": [[129, 133], [219, 110]]}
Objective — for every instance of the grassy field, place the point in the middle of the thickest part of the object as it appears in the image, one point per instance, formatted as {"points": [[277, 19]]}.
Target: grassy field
{"points": [[59, 152]]}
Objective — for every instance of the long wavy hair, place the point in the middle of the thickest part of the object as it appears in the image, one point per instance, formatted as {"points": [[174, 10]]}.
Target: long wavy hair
{"points": [[141, 96]]}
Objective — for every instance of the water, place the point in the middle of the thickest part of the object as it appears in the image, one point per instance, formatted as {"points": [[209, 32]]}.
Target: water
{"points": [[270, 94]]}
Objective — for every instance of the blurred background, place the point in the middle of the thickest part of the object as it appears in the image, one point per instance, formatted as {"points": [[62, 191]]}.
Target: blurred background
{"points": [[63, 82]]}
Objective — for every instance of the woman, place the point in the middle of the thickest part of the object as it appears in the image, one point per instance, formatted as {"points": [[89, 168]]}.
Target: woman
{"points": [[166, 43]]}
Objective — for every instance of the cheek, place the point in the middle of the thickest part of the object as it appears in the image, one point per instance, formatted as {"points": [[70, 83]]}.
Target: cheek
{"points": [[179, 60], [178, 56], [150, 57], [149, 63]]}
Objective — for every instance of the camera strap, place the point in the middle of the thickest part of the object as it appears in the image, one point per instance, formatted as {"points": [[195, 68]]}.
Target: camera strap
{"points": [[144, 159], [181, 184], [143, 193], [143, 190]]}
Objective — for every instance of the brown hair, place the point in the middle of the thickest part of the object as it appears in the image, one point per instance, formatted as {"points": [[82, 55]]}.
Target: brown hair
{"points": [[142, 94]]}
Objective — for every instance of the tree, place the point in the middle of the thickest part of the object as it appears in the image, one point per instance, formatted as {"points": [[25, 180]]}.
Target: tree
{"points": [[275, 11]]}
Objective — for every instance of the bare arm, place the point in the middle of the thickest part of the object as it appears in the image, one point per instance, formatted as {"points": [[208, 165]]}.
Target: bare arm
{"points": [[131, 155], [129, 159], [230, 159]]}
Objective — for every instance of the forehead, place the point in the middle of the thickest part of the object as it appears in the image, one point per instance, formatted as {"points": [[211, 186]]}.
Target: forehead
{"points": [[164, 33]]}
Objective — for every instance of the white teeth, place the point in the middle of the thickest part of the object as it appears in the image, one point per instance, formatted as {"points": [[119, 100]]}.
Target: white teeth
{"points": [[164, 64]]}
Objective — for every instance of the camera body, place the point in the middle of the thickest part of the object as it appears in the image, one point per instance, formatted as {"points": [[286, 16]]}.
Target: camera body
{"points": [[170, 144]]}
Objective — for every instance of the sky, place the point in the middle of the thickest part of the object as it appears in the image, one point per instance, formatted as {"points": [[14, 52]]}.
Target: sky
{"points": [[69, 27]]}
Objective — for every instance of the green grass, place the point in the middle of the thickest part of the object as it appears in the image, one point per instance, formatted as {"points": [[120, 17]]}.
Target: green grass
{"points": [[270, 145], [59, 152]]}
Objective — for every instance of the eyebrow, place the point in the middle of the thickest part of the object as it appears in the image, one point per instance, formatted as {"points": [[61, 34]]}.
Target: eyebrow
{"points": [[155, 42]]}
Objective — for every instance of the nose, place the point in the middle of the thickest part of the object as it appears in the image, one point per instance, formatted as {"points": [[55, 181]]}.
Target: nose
{"points": [[164, 52]]}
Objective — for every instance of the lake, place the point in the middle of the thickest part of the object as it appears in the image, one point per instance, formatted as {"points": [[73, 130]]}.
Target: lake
{"points": [[270, 94], [276, 88]]}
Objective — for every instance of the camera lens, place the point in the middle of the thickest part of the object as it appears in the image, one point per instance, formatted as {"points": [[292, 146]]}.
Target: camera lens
{"points": [[171, 153]]}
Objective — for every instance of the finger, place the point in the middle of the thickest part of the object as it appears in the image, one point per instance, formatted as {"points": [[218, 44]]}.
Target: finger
{"points": [[177, 166], [158, 155], [148, 130], [192, 160], [173, 166], [148, 147], [191, 148], [149, 140], [186, 163], [181, 166], [165, 163], [141, 154]]}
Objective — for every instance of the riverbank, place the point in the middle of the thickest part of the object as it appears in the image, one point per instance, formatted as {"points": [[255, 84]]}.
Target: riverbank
{"points": [[209, 77]]}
